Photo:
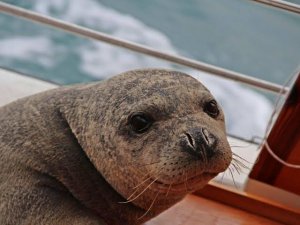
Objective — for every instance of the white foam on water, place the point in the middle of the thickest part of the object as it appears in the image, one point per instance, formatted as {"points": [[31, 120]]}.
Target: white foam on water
{"points": [[99, 59], [102, 61], [246, 111], [92, 14], [25, 48]]}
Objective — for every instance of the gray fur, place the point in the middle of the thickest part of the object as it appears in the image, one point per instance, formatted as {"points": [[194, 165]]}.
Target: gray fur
{"points": [[68, 155]]}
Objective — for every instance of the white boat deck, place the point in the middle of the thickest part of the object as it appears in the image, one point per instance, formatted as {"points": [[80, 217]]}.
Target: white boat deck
{"points": [[14, 86]]}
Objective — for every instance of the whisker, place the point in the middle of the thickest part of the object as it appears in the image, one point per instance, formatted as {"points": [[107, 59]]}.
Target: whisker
{"points": [[129, 199], [169, 189], [237, 169], [142, 182], [241, 166], [222, 178], [238, 146], [230, 170], [130, 196], [138, 186], [234, 144], [240, 157], [150, 207], [132, 199], [237, 161]]}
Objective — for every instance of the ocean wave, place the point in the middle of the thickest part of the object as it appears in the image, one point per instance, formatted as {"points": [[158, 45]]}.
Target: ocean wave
{"points": [[99, 59], [24, 48], [246, 111]]}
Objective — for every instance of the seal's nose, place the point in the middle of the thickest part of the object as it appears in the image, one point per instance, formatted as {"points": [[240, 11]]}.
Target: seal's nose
{"points": [[199, 142]]}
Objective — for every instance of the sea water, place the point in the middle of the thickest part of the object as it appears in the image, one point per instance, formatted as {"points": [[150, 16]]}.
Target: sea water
{"points": [[234, 34]]}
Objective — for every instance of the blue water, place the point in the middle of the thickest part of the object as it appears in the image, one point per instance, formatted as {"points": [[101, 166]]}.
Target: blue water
{"points": [[238, 35], [235, 34]]}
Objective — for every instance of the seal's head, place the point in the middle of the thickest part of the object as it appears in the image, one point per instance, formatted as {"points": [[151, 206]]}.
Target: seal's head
{"points": [[158, 136]]}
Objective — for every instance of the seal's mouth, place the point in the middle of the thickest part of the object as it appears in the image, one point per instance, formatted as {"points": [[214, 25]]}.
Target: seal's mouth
{"points": [[187, 185]]}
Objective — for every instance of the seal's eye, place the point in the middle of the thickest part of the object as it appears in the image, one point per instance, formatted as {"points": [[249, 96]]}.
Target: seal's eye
{"points": [[140, 122], [211, 108]]}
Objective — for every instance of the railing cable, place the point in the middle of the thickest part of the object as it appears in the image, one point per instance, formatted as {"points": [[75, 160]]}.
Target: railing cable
{"points": [[288, 6]]}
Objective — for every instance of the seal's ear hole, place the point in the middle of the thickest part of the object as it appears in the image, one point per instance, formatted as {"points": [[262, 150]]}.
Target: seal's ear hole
{"points": [[211, 108], [140, 122]]}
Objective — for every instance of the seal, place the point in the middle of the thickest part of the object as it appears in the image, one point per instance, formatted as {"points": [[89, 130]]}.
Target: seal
{"points": [[119, 151]]}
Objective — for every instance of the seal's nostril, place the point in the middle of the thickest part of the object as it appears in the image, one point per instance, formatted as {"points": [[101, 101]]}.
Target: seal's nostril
{"points": [[199, 142], [205, 134], [191, 140]]}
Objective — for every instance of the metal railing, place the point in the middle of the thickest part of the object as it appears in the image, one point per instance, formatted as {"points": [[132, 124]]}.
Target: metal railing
{"points": [[96, 35], [288, 6]]}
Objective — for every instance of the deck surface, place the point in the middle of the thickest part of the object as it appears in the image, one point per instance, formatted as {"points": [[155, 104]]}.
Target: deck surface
{"points": [[195, 210], [14, 86]]}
